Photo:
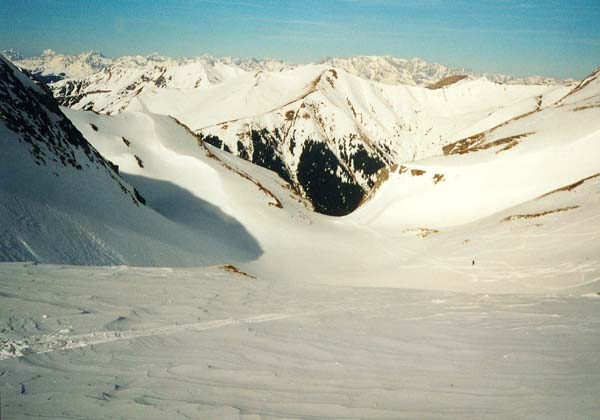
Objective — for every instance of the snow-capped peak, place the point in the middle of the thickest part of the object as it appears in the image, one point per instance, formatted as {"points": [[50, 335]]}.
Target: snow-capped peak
{"points": [[384, 69], [418, 72], [51, 66], [12, 54]]}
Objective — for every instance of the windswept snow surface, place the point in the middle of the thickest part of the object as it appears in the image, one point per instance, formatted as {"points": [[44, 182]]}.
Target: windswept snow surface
{"points": [[120, 342]]}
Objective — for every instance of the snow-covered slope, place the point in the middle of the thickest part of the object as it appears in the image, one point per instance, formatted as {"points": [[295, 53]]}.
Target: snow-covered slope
{"points": [[148, 147], [314, 125], [405, 235], [325, 130], [112, 89], [484, 208], [333, 135], [62, 202], [326, 125], [142, 344], [510, 163]]}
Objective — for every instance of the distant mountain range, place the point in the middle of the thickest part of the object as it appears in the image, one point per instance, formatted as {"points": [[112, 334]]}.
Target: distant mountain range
{"points": [[52, 66]]}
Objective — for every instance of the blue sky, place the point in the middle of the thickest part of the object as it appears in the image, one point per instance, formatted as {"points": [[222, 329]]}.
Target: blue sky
{"points": [[550, 37]]}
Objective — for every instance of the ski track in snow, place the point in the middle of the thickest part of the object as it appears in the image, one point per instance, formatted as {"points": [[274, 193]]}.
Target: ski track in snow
{"points": [[152, 343], [57, 342]]}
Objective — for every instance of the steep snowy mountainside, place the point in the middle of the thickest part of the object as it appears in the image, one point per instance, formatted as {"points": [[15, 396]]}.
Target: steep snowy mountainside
{"points": [[313, 125], [586, 95], [335, 135], [62, 202], [29, 112], [158, 147], [513, 162], [557, 228], [150, 152], [112, 89]]}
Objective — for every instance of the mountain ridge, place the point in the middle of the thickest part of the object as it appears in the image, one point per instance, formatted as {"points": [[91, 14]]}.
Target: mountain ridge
{"points": [[384, 69], [312, 125]]}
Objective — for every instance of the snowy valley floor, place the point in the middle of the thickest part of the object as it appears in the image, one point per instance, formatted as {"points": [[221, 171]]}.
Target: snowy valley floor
{"points": [[142, 343]]}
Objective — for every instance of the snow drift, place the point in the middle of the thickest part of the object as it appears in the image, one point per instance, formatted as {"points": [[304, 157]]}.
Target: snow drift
{"points": [[62, 202]]}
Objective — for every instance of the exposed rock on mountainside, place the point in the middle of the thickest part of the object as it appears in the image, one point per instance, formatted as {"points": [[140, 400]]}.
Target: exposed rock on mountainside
{"points": [[62, 202], [532, 157], [325, 131], [447, 81], [334, 139], [28, 109]]}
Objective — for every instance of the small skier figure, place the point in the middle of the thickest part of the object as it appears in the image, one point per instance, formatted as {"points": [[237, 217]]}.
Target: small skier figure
{"points": [[473, 262]]}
